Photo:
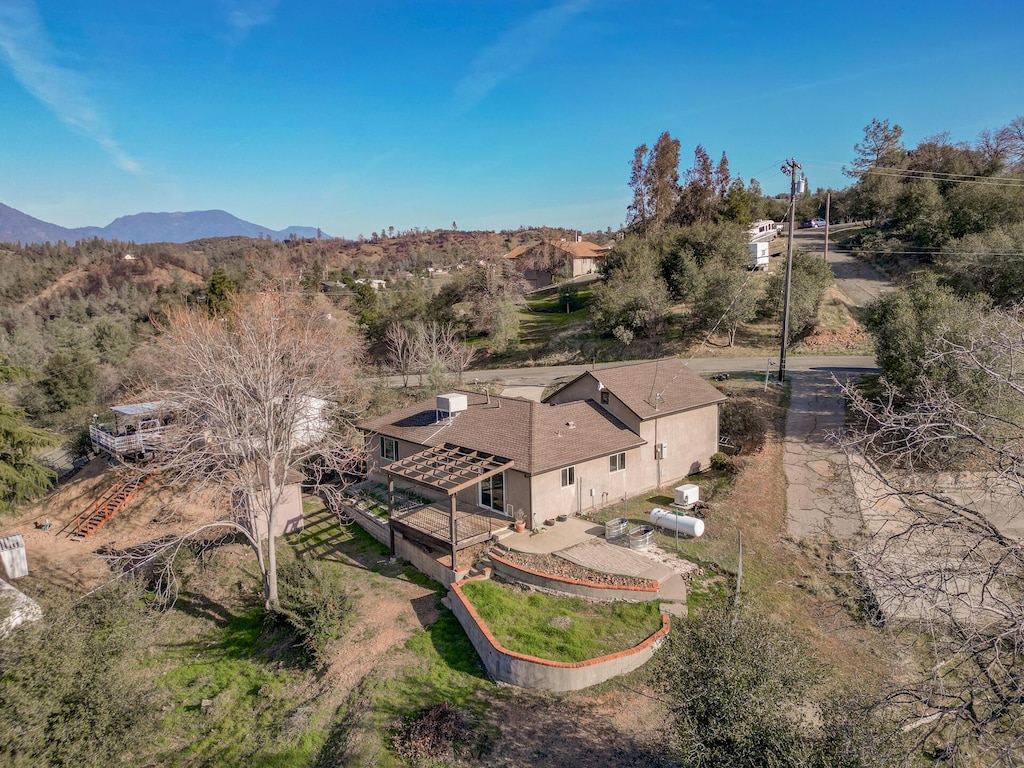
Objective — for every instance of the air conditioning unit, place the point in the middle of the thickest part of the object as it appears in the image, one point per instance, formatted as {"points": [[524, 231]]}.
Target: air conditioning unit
{"points": [[687, 495], [451, 404], [661, 451]]}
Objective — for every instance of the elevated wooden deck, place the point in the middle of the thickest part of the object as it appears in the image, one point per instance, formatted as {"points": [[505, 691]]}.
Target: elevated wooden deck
{"points": [[431, 525]]}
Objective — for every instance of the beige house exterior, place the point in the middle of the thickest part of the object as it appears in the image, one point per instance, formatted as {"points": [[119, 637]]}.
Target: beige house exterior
{"points": [[542, 262], [603, 436]]}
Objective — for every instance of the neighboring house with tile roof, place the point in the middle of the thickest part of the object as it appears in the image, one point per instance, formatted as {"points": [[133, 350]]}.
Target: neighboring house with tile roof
{"points": [[607, 434], [542, 262]]}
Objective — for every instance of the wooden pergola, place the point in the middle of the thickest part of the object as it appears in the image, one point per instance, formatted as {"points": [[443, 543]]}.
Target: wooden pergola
{"points": [[446, 469]]}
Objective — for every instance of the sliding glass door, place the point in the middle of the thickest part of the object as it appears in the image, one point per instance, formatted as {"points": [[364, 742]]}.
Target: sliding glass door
{"points": [[492, 492]]}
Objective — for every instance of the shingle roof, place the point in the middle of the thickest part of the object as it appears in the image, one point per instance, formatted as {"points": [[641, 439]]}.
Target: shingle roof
{"points": [[658, 387], [537, 437]]}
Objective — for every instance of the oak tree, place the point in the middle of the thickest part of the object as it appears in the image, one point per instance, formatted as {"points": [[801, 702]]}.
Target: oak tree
{"points": [[258, 392]]}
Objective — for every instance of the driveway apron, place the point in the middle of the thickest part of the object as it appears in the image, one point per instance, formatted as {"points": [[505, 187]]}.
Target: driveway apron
{"points": [[820, 497]]}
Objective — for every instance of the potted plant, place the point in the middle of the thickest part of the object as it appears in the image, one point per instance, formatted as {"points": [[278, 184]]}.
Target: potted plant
{"points": [[520, 522]]}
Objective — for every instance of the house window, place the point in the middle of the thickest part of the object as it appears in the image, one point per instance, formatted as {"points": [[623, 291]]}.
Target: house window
{"points": [[568, 477], [617, 462], [388, 448], [604, 397], [492, 492]]}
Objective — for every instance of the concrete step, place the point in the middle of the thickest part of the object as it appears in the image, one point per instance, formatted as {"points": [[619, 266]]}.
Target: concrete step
{"points": [[680, 610]]}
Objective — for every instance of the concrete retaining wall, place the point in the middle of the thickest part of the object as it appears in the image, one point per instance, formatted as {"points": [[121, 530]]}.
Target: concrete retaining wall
{"points": [[525, 671], [590, 590], [374, 525], [427, 562]]}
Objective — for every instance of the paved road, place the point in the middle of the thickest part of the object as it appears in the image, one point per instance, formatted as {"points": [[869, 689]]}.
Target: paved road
{"points": [[819, 493], [820, 497], [548, 375], [859, 282]]}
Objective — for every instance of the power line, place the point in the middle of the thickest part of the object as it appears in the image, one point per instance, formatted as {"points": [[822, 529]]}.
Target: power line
{"points": [[918, 173], [911, 174]]}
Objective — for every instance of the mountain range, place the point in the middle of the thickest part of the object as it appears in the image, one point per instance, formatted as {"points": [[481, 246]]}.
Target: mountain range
{"points": [[181, 227]]}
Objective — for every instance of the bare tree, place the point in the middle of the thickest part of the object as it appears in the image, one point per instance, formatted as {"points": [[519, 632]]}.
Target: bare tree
{"points": [[461, 357], [258, 392], [1011, 138], [438, 351], [401, 354], [943, 555]]}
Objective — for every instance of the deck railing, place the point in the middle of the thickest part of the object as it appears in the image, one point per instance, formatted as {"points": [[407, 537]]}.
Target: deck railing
{"points": [[140, 441]]}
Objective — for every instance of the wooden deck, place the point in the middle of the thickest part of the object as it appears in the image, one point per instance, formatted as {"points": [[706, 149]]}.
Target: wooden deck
{"points": [[431, 525]]}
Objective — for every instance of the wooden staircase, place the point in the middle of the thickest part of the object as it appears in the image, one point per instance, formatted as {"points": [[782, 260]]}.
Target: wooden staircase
{"points": [[114, 499]]}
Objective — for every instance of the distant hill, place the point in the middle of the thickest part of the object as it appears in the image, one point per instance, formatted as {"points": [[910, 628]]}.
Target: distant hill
{"points": [[181, 227], [16, 226]]}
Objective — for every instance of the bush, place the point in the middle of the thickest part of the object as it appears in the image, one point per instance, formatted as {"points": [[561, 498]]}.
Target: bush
{"points": [[722, 463], [314, 602], [431, 735], [73, 688], [744, 423], [746, 691]]}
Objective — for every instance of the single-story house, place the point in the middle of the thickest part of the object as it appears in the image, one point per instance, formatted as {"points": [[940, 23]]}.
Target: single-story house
{"points": [[542, 262], [605, 435]]}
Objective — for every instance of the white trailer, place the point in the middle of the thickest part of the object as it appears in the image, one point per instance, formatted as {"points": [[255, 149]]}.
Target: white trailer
{"points": [[759, 256]]}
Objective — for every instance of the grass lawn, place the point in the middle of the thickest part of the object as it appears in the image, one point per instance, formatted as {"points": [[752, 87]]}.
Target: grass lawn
{"points": [[232, 703], [560, 628]]}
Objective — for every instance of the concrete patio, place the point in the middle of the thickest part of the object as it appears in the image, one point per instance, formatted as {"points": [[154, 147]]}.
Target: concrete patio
{"points": [[582, 542]]}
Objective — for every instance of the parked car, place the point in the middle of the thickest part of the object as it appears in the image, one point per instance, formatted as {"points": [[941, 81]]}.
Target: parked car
{"points": [[813, 224]]}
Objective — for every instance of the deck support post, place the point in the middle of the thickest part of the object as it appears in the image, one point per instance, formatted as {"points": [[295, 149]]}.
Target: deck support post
{"points": [[451, 530], [391, 510]]}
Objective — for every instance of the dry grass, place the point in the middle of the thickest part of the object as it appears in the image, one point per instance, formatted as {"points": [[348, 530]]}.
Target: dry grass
{"points": [[794, 581]]}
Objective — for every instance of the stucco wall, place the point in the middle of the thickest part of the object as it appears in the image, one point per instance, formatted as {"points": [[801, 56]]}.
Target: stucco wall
{"points": [[584, 266], [691, 437], [517, 493], [585, 388], [374, 461], [525, 671], [289, 511], [595, 486]]}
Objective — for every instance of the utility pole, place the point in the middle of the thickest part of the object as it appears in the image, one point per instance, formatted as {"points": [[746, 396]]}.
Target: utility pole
{"points": [[790, 167], [828, 219]]}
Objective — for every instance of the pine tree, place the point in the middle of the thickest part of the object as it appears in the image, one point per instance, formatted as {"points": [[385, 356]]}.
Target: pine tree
{"points": [[22, 478]]}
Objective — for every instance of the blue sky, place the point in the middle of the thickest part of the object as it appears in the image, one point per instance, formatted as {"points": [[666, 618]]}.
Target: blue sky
{"points": [[493, 114]]}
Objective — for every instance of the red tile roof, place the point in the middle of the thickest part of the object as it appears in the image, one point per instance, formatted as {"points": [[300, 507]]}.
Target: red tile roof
{"points": [[577, 250]]}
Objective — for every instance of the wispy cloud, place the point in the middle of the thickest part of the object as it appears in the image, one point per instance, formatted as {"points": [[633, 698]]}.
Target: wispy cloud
{"points": [[32, 59], [244, 15], [514, 49]]}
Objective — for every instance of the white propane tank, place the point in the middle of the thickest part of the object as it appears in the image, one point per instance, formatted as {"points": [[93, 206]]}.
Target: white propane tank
{"points": [[672, 521]]}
